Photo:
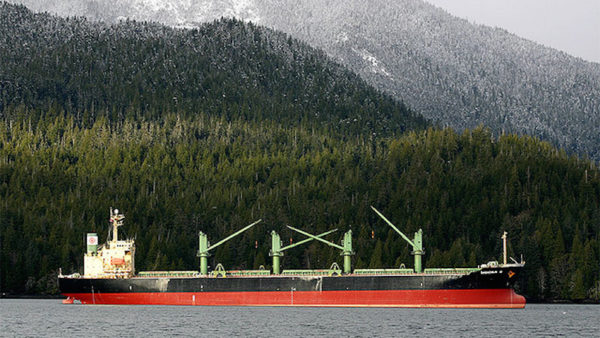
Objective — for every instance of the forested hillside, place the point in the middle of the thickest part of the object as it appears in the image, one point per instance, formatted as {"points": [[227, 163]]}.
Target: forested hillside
{"points": [[226, 68], [211, 129], [443, 67], [177, 176]]}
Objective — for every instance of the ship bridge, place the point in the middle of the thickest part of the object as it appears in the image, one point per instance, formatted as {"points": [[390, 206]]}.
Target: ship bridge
{"points": [[115, 259]]}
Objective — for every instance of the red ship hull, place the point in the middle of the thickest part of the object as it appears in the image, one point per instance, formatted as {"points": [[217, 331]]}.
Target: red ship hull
{"points": [[473, 298]]}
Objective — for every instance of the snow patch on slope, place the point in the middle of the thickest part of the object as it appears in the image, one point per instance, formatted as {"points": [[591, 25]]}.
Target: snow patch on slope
{"points": [[342, 37], [375, 67]]}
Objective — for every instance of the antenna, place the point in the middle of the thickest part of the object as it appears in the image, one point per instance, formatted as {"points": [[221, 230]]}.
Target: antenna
{"points": [[504, 247], [117, 220]]}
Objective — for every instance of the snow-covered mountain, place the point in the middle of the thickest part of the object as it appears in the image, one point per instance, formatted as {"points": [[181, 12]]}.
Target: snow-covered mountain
{"points": [[178, 13], [446, 68]]}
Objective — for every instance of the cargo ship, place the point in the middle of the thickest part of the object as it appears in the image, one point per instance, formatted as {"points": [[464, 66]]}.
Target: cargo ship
{"points": [[110, 278]]}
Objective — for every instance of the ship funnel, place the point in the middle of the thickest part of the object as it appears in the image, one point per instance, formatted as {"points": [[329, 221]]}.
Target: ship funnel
{"points": [[92, 243]]}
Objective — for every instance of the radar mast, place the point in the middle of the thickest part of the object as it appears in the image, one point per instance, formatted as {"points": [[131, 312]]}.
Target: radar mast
{"points": [[117, 220]]}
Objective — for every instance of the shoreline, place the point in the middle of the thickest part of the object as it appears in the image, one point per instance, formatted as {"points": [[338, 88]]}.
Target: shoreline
{"points": [[12, 296]]}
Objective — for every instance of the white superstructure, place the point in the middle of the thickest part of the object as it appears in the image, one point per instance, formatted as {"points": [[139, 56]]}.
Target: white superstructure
{"points": [[114, 259]]}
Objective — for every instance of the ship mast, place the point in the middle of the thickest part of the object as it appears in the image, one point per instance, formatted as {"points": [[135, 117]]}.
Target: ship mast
{"points": [[504, 247], [117, 220]]}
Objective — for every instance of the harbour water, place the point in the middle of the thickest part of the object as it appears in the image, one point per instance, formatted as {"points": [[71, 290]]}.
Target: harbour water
{"points": [[51, 318]]}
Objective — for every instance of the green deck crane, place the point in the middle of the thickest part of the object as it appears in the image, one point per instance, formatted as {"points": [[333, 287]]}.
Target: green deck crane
{"points": [[277, 250], [416, 243], [204, 246], [346, 248]]}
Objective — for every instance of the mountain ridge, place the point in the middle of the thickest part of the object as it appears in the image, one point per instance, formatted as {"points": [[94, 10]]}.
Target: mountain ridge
{"points": [[451, 71], [149, 69]]}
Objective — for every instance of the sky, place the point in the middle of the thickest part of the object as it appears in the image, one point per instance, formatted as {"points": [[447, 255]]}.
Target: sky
{"points": [[572, 26]]}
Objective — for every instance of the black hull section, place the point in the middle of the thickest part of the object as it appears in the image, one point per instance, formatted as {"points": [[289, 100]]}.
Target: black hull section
{"points": [[493, 278]]}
